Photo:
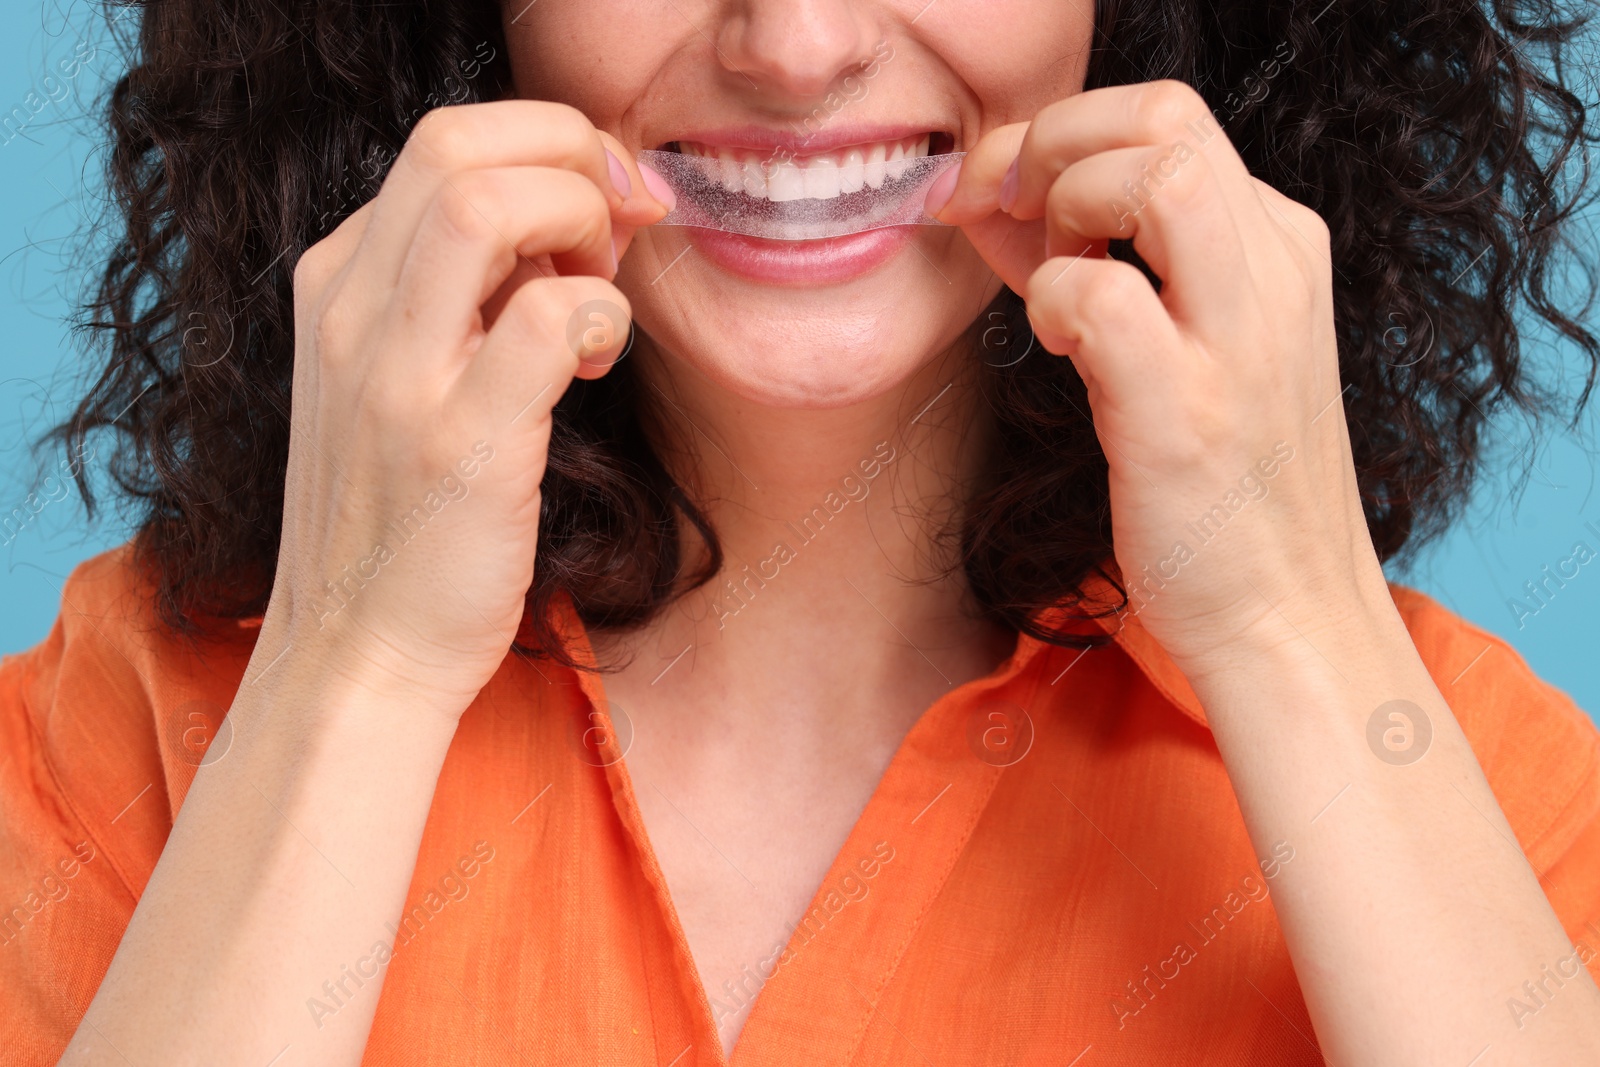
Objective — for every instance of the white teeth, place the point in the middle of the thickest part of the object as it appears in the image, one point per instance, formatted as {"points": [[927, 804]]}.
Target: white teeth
{"points": [[897, 162], [786, 182], [875, 165], [822, 180], [852, 171], [824, 176], [755, 182]]}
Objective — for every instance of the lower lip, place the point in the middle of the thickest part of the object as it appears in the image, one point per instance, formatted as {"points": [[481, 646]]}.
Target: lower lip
{"points": [[824, 262]]}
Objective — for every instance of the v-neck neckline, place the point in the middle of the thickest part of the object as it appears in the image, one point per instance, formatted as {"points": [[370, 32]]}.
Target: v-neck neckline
{"points": [[820, 999]]}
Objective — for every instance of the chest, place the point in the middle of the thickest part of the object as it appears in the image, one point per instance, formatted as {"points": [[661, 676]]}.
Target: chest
{"points": [[677, 899], [745, 831]]}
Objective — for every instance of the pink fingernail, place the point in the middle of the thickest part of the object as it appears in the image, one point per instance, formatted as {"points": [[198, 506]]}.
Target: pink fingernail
{"points": [[619, 176], [1008, 187], [616, 252], [658, 187], [942, 189]]}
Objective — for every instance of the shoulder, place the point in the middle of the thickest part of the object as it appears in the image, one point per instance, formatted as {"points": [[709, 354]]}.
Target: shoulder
{"points": [[1538, 749], [92, 766]]}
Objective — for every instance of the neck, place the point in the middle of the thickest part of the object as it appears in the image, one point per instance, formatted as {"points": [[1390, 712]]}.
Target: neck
{"points": [[837, 525]]}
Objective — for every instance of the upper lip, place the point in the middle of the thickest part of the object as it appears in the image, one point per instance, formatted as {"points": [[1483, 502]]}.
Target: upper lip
{"points": [[797, 141]]}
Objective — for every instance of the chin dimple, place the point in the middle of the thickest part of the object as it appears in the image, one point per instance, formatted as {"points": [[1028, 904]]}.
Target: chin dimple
{"points": [[821, 176]]}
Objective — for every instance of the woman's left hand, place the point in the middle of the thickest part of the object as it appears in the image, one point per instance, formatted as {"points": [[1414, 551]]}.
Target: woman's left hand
{"points": [[1239, 531], [1217, 401]]}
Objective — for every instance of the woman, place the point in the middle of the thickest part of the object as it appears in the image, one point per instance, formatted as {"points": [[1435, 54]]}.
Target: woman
{"points": [[945, 644]]}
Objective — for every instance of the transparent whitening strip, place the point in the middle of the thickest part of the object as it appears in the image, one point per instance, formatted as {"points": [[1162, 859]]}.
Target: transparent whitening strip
{"points": [[782, 202]]}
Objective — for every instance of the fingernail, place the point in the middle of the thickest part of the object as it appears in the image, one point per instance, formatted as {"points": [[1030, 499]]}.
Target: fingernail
{"points": [[619, 176], [1008, 187], [658, 187], [616, 252], [942, 189]]}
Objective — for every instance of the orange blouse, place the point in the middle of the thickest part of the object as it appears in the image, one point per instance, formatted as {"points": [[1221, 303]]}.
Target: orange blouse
{"points": [[1053, 869]]}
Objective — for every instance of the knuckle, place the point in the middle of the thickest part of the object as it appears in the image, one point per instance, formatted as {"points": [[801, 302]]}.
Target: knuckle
{"points": [[1183, 188], [461, 209], [327, 334], [566, 136], [1315, 226], [440, 141], [1050, 321], [546, 310], [567, 123], [312, 271], [353, 225], [1053, 115], [1213, 423], [1309, 236], [573, 291], [333, 328], [592, 211], [540, 309], [1061, 200], [1165, 107], [573, 185], [1111, 291], [587, 290], [571, 190]]}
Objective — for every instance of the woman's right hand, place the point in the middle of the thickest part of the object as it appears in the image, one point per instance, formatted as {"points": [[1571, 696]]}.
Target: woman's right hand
{"points": [[435, 330], [424, 327]]}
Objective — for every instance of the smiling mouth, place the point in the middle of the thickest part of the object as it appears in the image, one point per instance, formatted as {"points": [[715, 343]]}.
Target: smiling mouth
{"points": [[782, 175], [779, 194]]}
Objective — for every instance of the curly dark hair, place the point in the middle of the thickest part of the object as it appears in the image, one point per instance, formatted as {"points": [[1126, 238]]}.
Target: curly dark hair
{"points": [[1439, 139]]}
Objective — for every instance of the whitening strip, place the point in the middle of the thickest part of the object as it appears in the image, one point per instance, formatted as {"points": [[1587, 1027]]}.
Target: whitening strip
{"points": [[785, 202]]}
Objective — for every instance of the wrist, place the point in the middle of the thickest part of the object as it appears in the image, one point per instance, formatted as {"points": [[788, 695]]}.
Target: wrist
{"points": [[321, 677], [1319, 628]]}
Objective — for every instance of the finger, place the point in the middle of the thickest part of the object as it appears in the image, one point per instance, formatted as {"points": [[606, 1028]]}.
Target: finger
{"points": [[1104, 315], [451, 140], [1176, 215], [530, 356], [318, 275], [977, 191], [598, 331], [320, 266], [479, 227], [633, 177], [1012, 249], [1122, 116], [1308, 229]]}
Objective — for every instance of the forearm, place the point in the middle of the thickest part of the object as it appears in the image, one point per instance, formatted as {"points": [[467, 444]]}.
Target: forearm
{"points": [[289, 856], [1409, 909]]}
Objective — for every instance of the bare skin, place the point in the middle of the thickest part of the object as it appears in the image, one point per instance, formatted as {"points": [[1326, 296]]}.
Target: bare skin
{"points": [[749, 773], [429, 322]]}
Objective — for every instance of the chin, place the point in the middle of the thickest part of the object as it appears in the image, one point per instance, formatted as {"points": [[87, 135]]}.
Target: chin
{"points": [[777, 369], [813, 342]]}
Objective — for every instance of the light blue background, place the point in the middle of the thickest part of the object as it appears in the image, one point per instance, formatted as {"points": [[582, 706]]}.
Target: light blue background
{"points": [[49, 185]]}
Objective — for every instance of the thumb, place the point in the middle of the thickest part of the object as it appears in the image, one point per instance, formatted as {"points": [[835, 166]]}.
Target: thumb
{"points": [[642, 205]]}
